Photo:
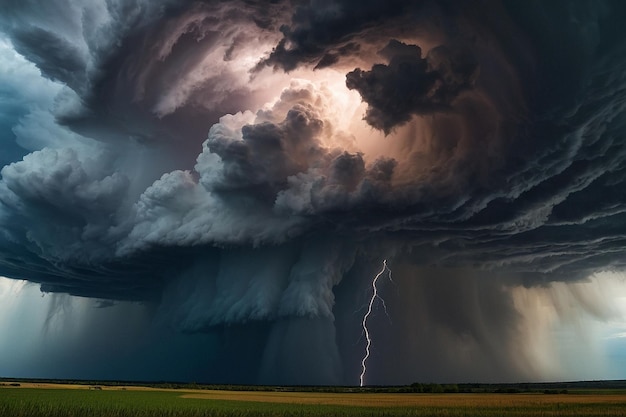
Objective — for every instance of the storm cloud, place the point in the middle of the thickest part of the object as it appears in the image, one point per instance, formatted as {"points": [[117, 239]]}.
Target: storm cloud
{"points": [[242, 169]]}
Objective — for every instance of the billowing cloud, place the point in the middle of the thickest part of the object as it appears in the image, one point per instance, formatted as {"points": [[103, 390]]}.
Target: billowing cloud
{"points": [[411, 84], [242, 168]]}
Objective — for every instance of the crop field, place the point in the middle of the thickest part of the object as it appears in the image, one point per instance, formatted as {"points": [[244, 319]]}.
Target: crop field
{"points": [[78, 401]]}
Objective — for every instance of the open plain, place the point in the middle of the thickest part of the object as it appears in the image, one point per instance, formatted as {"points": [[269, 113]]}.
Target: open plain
{"points": [[56, 400]]}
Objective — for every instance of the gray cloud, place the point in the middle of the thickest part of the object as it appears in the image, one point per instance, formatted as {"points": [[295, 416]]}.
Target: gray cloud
{"points": [[161, 160], [411, 84], [321, 34]]}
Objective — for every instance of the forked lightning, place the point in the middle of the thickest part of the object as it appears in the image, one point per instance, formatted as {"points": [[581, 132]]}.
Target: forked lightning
{"points": [[366, 316]]}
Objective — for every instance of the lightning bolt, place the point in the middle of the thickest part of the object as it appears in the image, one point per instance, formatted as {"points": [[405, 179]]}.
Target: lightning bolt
{"points": [[366, 316]]}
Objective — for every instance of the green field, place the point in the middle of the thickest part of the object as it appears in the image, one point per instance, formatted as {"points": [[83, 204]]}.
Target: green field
{"points": [[119, 402]]}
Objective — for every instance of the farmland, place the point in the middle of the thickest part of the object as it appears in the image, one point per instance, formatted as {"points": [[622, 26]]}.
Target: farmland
{"points": [[39, 399]]}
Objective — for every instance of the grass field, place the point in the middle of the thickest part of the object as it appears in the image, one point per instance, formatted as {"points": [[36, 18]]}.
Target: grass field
{"points": [[78, 401]]}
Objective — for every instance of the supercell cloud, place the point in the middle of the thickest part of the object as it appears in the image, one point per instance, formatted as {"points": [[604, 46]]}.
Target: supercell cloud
{"points": [[242, 168]]}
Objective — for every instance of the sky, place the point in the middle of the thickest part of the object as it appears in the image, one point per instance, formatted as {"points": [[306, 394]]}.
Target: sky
{"points": [[203, 191]]}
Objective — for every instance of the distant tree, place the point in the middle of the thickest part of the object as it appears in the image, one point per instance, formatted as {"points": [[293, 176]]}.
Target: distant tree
{"points": [[417, 387], [451, 388], [437, 389]]}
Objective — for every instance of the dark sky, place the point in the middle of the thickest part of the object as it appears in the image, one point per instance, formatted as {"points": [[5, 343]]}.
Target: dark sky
{"points": [[226, 178]]}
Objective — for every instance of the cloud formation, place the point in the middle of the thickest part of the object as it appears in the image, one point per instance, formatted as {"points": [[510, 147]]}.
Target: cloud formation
{"points": [[412, 85], [250, 163]]}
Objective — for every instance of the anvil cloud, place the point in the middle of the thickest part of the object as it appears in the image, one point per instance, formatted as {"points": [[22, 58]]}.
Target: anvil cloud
{"points": [[242, 168]]}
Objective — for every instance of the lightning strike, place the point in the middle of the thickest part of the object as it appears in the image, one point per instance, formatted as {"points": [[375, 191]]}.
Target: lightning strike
{"points": [[366, 316]]}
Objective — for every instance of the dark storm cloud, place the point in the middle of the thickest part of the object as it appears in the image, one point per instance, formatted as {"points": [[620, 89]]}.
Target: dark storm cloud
{"points": [[412, 85], [321, 32], [505, 131], [58, 59], [135, 65]]}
